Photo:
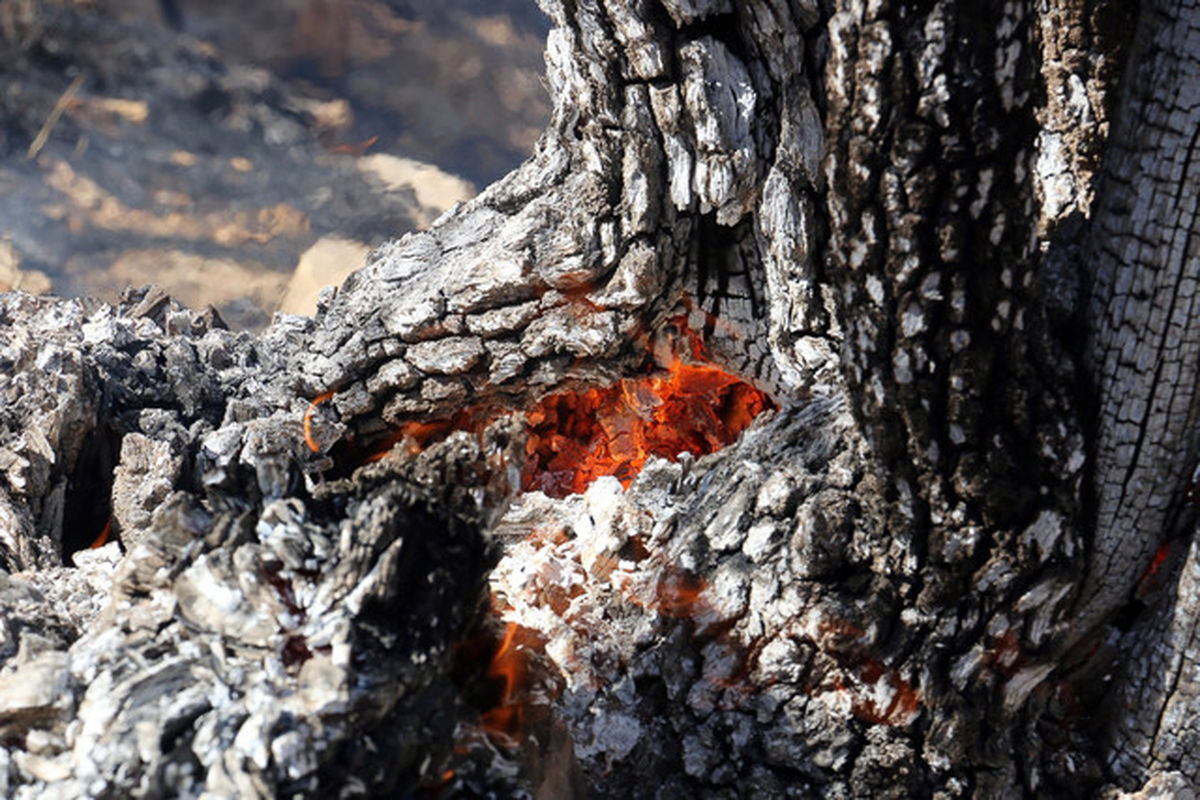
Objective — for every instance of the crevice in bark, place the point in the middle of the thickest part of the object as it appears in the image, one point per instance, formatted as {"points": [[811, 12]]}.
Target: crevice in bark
{"points": [[87, 504]]}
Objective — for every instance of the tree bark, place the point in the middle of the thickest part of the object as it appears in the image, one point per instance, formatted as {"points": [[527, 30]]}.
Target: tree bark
{"points": [[956, 561]]}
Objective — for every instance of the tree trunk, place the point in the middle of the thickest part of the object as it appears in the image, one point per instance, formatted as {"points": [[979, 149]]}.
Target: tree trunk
{"points": [[955, 560]]}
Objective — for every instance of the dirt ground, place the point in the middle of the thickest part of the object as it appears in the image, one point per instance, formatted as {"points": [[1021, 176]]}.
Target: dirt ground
{"points": [[246, 154]]}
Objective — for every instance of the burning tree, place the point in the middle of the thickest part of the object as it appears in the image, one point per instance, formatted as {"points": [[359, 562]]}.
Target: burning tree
{"points": [[907, 284]]}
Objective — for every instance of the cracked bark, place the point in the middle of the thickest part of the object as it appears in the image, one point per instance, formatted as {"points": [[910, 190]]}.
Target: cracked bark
{"points": [[1144, 248], [927, 570]]}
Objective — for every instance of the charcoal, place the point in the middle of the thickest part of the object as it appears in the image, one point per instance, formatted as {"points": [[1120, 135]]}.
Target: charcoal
{"points": [[730, 446]]}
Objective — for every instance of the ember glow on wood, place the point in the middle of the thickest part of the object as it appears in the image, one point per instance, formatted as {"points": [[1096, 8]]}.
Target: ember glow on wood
{"points": [[418, 434], [576, 437]]}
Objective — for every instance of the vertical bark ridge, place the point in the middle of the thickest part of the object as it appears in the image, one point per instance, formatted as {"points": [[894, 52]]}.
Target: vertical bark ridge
{"points": [[936, 336], [1144, 258], [967, 401]]}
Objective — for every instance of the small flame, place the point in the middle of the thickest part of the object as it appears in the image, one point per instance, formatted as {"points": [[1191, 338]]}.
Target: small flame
{"points": [[508, 667], [355, 148], [419, 435], [513, 667], [309, 439], [102, 539]]}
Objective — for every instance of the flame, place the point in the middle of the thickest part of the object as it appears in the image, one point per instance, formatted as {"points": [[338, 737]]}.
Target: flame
{"points": [[309, 439], [576, 437], [355, 148], [501, 670], [419, 434], [510, 667], [102, 539], [507, 667]]}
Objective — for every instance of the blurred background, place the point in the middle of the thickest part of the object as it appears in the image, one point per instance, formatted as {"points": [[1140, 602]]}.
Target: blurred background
{"points": [[246, 154]]}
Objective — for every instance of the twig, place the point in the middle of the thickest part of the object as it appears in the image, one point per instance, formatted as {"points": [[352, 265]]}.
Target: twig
{"points": [[56, 113]]}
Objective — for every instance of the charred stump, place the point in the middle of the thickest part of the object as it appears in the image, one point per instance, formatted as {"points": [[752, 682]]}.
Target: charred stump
{"points": [[810, 415]]}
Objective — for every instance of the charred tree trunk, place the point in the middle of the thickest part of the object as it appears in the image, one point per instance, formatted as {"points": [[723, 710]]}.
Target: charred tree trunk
{"points": [[956, 560]]}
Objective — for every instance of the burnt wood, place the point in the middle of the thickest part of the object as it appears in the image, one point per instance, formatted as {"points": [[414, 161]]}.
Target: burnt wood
{"points": [[957, 559]]}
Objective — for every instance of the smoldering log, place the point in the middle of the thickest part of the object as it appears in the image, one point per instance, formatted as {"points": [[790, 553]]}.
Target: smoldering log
{"points": [[267, 631], [835, 604], [242, 647]]}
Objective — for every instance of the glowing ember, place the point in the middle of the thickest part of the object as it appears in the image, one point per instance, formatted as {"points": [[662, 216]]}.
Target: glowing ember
{"points": [[882, 697], [675, 593], [1005, 655], [679, 595], [1150, 579], [576, 437]]}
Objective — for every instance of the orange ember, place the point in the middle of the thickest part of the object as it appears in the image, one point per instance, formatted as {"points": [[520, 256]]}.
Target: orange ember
{"points": [[576, 437], [1006, 655], [903, 703], [676, 594], [679, 595]]}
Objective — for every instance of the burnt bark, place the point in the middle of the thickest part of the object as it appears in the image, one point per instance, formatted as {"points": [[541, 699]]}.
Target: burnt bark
{"points": [[956, 560]]}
